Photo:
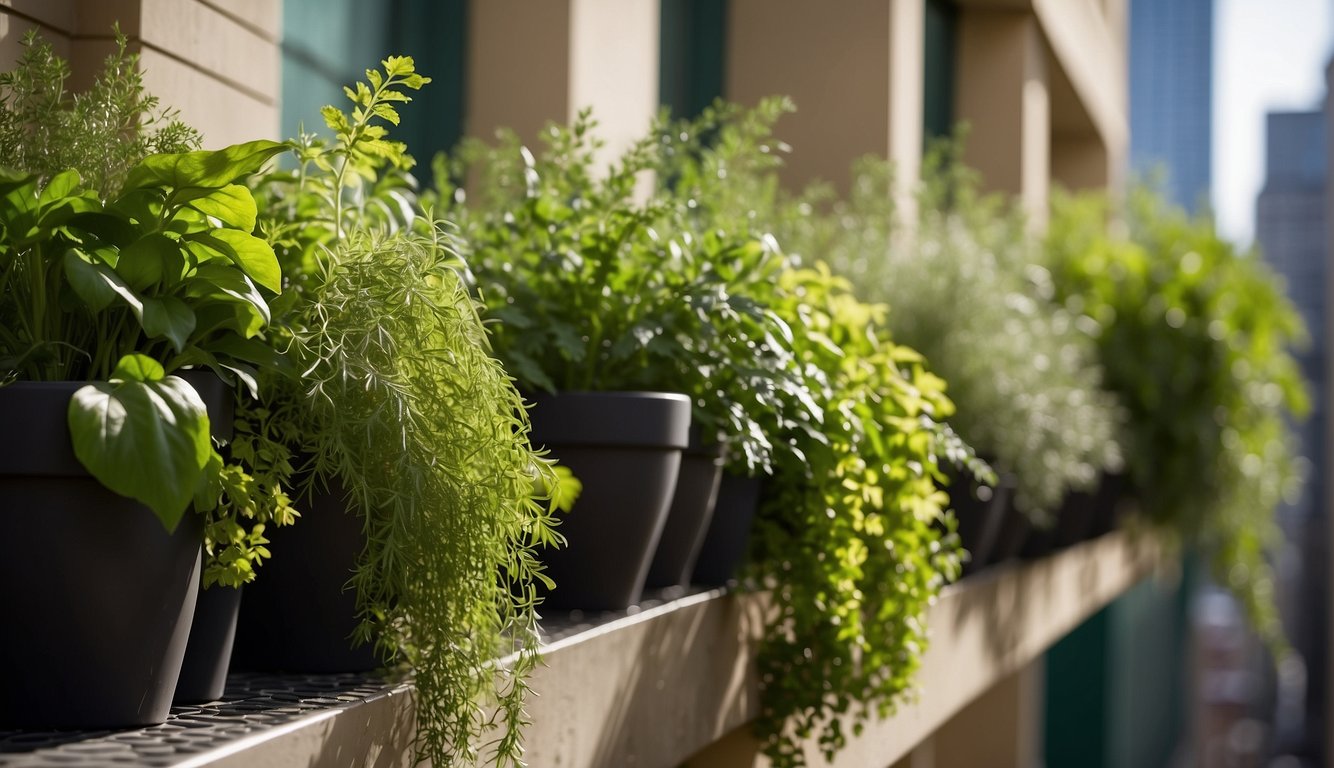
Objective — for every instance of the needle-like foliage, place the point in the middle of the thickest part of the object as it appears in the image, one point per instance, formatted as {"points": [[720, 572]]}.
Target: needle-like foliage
{"points": [[400, 400]]}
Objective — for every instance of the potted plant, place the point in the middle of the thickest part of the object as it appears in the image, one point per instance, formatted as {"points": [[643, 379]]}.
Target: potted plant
{"points": [[110, 289], [414, 445], [604, 301], [852, 538], [1197, 339]]}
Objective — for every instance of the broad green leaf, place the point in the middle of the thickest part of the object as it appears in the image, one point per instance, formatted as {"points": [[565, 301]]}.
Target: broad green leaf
{"points": [[248, 350], [137, 367], [97, 284], [111, 229], [254, 256], [148, 260], [169, 317], [90, 280], [147, 440], [60, 185], [203, 169], [232, 205], [216, 280]]}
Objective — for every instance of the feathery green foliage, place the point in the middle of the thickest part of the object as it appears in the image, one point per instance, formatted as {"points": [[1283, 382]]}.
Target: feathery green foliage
{"points": [[400, 400], [101, 132]]}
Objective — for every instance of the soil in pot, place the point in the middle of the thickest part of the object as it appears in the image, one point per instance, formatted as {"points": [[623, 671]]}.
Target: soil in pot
{"points": [[299, 614], [98, 596], [625, 447], [209, 653], [728, 535], [693, 504]]}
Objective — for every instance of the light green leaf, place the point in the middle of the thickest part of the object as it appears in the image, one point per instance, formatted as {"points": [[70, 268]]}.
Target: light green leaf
{"points": [[168, 317], [60, 185], [137, 367], [203, 169], [145, 439], [254, 256], [232, 205]]}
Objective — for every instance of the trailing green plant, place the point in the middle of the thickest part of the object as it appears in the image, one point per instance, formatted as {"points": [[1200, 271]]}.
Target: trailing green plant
{"points": [[853, 538], [1023, 372], [400, 402], [598, 289], [1197, 340]]}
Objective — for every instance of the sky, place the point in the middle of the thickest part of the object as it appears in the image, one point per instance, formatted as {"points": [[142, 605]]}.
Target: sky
{"points": [[1268, 55]]}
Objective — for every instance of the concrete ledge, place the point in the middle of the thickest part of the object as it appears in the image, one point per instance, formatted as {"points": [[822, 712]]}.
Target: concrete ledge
{"points": [[674, 683]]}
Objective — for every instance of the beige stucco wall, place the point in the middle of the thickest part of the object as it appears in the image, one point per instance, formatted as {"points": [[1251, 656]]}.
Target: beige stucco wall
{"points": [[532, 63], [216, 62]]}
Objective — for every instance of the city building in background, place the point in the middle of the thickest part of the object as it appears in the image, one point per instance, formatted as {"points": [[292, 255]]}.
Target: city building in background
{"points": [[1290, 229], [1171, 95]]}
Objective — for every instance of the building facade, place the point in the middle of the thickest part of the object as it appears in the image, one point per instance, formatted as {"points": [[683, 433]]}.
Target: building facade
{"points": [[1171, 95]]}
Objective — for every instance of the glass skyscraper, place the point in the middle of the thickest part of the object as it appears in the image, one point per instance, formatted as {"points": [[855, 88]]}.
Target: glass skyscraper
{"points": [[1171, 95]]}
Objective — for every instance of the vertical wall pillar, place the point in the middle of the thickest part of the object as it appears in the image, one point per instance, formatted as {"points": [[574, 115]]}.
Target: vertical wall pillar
{"points": [[854, 69], [1003, 95], [1002, 728], [907, 77], [217, 65], [530, 63]]}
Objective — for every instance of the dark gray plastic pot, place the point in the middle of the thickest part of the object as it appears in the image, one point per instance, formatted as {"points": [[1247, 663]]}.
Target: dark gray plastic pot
{"points": [[298, 615], [97, 597], [688, 519], [983, 518], [208, 655], [625, 447], [728, 534]]}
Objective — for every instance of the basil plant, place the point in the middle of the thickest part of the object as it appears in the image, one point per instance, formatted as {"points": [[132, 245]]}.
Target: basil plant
{"points": [[124, 292]]}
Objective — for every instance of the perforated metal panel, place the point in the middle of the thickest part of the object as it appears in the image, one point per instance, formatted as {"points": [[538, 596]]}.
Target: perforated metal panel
{"points": [[251, 704]]}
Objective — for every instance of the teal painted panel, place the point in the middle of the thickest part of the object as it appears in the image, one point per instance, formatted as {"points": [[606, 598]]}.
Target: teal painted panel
{"points": [[938, 67], [1116, 685], [692, 55], [330, 43], [1077, 696]]}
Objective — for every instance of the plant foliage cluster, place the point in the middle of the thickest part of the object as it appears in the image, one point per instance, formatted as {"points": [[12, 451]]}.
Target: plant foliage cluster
{"points": [[853, 537], [1196, 338], [598, 287], [1022, 371], [122, 268], [400, 403]]}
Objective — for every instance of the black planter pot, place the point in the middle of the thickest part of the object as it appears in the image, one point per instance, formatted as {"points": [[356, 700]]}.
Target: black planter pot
{"points": [[97, 597], [692, 508], [208, 655], [298, 615], [1108, 504], [980, 513], [625, 447], [1015, 529], [728, 536], [1074, 520]]}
